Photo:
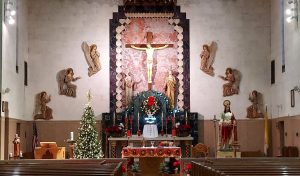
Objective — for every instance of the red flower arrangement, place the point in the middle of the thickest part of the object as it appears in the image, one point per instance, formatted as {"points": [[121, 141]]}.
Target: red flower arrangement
{"points": [[183, 130], [149, 106], [115, 131], [187, 168], [151, 101], [184, 127], [176, 164]]}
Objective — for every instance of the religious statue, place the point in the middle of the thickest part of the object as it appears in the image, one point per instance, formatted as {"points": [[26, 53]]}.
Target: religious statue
{"points": [[16, 143], [207, 58], [170, 87], [254, 111], [129, 84], [227, 127], [232, 87], [92, 58], [149, 48], [66, 77], [45, 112]]}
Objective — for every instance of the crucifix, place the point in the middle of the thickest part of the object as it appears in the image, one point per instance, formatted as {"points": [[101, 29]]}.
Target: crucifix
{"points": [[149, 48]]}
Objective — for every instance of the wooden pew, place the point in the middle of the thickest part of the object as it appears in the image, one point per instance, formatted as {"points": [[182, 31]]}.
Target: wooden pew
{"points": [[100, 167], [247, 166]]}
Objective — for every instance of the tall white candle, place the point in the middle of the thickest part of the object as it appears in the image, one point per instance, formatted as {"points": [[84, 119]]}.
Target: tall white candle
{"points": [[162, 120], [114, 119], [72, 136], [138, 120]]}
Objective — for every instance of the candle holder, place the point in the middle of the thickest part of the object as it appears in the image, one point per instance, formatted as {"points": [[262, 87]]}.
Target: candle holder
{"points": [[131, 123], [139, 132], [128, 133]]}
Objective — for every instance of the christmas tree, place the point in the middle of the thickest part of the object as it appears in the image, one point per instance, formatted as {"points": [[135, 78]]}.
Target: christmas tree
{"points": [[87, 144]]}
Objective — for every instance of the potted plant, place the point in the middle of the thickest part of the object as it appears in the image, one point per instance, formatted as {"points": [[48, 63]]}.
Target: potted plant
{"points": [[183, 130], [165, 168], [176, 165], [135, 168], [115, 131], [187, 169]]}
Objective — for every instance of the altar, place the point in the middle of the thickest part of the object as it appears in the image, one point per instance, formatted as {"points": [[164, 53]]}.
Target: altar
{"points": [[116, 144], [150, 158]]}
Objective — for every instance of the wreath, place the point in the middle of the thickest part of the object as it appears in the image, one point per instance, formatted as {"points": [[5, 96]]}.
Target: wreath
{"points": [[150, 106]]}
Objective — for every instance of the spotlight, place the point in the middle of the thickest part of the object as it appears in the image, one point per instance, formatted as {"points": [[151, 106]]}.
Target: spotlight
{"points": [[9, 12], [288, 11]]}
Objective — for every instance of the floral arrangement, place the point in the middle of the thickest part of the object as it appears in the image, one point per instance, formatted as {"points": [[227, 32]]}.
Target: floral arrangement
{"points": [[165, 144], [124, 169], [187, 168], [116, 129], [165, 168], [150, 106], [184, 128], [176, 165], [135, 167]]}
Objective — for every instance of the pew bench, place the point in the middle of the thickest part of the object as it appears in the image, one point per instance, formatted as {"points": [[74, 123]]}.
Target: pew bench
{"points": [[87, 167], [246, 166]]}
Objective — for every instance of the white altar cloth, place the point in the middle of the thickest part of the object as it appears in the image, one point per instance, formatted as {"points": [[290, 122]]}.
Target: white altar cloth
{"points": [[150, 131]]}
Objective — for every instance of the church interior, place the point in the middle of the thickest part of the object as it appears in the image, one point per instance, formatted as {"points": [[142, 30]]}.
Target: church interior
{"points": [[150, 87]]}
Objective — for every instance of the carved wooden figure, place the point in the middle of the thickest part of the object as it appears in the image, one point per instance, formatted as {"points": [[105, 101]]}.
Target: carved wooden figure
{"points": [[254, 111], [92, 57], [233, 79], [207, 58], [65, 79], [42, 110]]}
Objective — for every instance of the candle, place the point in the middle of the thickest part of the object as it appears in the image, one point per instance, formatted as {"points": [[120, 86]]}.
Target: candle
{"points": [[162, 119], [138, 119], [186, 118], [72, 136], [21, 154], [114, 119], [10, 155]]}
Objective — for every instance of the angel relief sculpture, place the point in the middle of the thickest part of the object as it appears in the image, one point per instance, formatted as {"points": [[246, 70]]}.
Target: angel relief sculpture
{"points": [[65, 79], [254, 111], [232, 77], [92, 58], [43, 111], [207, 58]]}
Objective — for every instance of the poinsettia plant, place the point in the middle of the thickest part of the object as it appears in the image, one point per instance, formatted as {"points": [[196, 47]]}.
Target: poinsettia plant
{"points": [[187, 168], [184, 127], [115, 129]]}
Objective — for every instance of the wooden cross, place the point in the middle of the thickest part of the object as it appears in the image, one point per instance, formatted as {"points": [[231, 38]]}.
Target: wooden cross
{"points": [[149, 48]]}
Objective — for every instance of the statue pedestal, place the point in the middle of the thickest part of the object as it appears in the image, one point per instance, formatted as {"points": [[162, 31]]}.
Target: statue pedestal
{"points": [[228, 154]]}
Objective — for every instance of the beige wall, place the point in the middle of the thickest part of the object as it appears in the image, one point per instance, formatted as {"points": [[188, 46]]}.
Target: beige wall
{"points": [[250, 135], [291, 128]]}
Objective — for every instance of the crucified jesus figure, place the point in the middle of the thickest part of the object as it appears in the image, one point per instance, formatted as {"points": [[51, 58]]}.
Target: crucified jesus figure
{"points": [[149, 48]]}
